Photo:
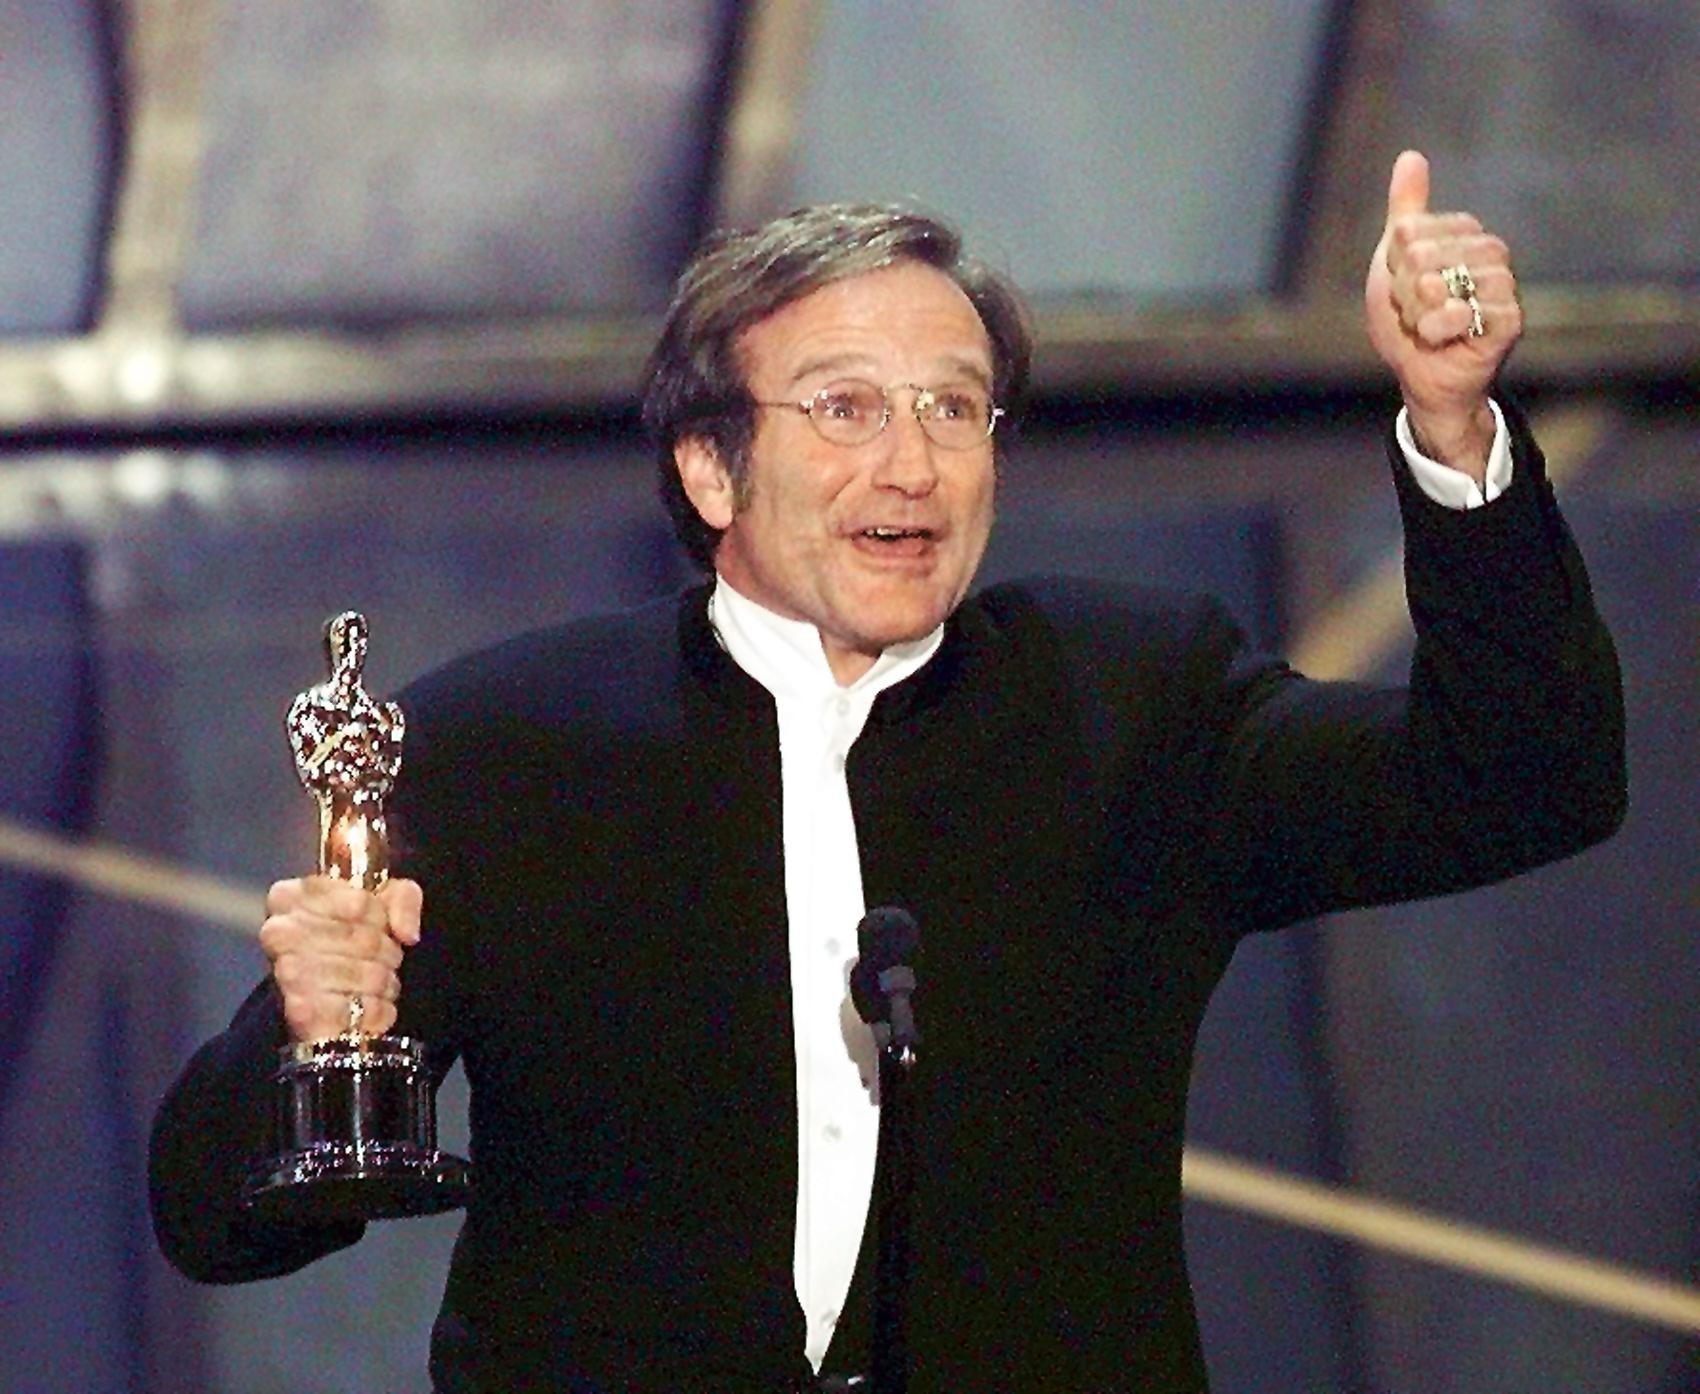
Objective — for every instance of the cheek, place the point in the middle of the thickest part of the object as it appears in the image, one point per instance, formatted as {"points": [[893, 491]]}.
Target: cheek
{"points": [[790, 519], [979, 495]]}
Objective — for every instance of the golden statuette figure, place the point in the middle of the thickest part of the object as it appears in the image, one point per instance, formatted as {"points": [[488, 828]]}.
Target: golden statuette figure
{"points": [[347, 748]]}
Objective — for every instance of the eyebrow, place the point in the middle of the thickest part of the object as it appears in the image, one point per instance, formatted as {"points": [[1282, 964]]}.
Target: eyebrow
{"points": [[955, 364]]}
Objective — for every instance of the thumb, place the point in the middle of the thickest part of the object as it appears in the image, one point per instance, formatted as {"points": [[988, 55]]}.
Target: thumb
{"points": [[1407, 191], [403, 904]]}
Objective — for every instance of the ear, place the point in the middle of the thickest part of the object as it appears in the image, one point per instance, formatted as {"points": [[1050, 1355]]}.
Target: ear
{"points": [[708, 484]]}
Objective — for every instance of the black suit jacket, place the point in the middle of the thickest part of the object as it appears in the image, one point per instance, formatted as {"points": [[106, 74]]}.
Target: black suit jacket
{"points": [[1086, 798]]}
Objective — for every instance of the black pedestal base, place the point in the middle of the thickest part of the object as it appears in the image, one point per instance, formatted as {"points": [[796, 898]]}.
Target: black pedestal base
{"points": [[357, 1136], [379, 1182]]}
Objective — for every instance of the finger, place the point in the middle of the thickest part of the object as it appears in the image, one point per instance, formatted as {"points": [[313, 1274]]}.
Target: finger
{"points": [[326, 1015], [284, 896], [302, 934], [1444, 324], [1501, 320], [1430, 230], [404, 904], [333, 898], [310, 983], [1479, 251], [380, 1017], [1407, 189], [1492, 284]]}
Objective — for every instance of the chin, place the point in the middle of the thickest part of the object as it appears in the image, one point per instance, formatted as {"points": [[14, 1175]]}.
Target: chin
{"points": [[903, 624]]}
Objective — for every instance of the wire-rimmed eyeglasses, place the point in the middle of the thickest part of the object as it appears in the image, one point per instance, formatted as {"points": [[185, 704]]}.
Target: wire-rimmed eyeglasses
{"points": [[853, 412]]}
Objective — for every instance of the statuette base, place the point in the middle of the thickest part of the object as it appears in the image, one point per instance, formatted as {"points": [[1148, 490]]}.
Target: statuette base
{"points": [[358, 1128]]}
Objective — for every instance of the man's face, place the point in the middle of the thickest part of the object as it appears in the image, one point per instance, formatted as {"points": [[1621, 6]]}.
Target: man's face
{"points": [[874, 543]]}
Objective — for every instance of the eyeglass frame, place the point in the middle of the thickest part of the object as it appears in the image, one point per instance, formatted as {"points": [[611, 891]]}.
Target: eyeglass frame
{"points": [[924, 398]]}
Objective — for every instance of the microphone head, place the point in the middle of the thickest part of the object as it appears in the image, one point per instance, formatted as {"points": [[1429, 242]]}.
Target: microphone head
{"points": [[887, 936]]}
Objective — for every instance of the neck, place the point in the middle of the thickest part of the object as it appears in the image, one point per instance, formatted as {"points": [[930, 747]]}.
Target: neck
{"points": [[847, 664]]}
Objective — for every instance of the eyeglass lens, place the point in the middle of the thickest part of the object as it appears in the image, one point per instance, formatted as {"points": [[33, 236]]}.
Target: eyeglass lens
{"points": [[854, 412]]}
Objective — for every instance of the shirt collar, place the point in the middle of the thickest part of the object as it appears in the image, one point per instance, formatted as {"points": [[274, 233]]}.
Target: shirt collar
{"points": [[786, 656]]}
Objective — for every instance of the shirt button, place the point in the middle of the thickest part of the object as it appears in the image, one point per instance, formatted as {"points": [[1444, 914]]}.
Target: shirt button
{"points": [[843, 705], [832, 1133], [832, 946], [830, 1316]]}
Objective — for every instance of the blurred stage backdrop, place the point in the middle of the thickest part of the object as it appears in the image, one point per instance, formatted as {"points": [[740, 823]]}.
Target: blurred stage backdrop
{"points": [[311, 304]]}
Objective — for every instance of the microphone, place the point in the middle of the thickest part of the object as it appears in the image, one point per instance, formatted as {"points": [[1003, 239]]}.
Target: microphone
{"points": [[881, 985], [883, 980]]}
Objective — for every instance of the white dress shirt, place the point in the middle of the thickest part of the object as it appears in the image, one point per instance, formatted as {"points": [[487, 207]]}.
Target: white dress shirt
{"points": [[837, 1113], [819, 720]]}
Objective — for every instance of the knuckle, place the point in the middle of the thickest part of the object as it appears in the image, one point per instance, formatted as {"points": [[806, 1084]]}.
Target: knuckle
{"points": [[282, 896], [318, 890]]}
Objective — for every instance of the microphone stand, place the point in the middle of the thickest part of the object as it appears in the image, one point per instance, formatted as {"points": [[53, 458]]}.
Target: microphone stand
{"points": [[894, 1193]]}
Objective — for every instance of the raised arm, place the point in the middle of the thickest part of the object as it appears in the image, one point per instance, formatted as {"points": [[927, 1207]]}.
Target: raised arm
{"points": [[1506, 749]]}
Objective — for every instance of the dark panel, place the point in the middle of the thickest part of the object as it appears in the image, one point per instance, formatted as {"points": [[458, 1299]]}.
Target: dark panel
{"points": [[48, 761], [1574, 124], [373, 162], [1140, 148], [58, 162], [61, 1325]]}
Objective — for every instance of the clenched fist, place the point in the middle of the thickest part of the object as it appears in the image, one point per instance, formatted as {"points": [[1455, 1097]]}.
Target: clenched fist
{"points": [[1422, 330], [329, 941]]}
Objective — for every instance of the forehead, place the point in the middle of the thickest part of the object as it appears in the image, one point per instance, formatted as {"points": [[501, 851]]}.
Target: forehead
{"points": [[904, 321]]}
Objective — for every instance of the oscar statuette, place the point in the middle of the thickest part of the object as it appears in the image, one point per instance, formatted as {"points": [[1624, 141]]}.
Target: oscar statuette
{"points": [[356, 1127]]}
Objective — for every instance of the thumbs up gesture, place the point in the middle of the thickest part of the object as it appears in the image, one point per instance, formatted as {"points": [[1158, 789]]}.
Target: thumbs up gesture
{"points": [[1445, 351]]}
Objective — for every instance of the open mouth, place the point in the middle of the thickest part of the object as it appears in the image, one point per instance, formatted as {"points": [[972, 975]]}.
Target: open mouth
{"points": [[893, 536], [899, 545]]}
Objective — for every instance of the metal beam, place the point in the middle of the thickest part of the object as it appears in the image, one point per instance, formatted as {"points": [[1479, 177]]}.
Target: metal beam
{"points": [[1339, 203], [123, 370], [753, 180], [167, 48], [138, 374], [573, 367]]}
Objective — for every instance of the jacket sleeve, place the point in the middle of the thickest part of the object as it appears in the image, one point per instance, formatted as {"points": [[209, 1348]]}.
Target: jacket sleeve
{"points": [[1505, 751], [212, 1125]]}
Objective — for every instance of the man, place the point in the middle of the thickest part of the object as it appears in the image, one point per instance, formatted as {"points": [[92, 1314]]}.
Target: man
{"points": [[645, 843]]}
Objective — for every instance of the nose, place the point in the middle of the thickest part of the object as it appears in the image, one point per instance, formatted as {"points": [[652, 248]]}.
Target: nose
{"points": [[906, 461]]}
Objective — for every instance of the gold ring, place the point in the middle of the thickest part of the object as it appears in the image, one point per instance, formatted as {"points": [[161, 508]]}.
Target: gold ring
{"points": [[1461, 285], [356, 1013]]}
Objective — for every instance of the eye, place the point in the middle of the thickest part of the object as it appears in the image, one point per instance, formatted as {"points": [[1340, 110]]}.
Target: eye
{"points": [[848, 401], [958, 404]]}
